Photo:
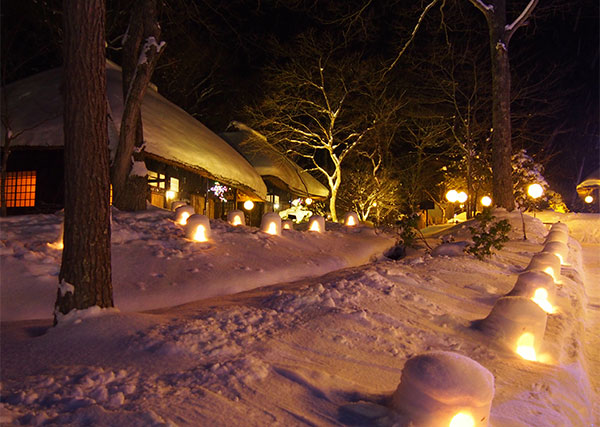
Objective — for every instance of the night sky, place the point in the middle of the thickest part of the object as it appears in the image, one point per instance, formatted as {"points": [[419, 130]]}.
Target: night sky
{"points": [[217, 51]]}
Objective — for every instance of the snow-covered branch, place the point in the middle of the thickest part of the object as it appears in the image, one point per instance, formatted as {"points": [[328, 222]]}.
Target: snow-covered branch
{"points": [[521, 19], [486, 9]]}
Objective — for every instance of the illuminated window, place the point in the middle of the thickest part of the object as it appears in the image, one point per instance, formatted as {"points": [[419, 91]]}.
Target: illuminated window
{"points": [[174, 184], [20, 189], [156, 179]]}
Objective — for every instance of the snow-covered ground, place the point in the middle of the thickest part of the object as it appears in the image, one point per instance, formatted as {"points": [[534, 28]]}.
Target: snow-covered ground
{"points": [[319, 336]]}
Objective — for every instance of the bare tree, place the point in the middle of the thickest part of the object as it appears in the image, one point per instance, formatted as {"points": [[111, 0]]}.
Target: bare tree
{"points": [[500, 33], [85, 273], [312, 110], [141, 50]]}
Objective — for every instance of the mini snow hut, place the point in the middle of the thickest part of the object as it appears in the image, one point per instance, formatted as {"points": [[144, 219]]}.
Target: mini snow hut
{"points": [[184, 158]]}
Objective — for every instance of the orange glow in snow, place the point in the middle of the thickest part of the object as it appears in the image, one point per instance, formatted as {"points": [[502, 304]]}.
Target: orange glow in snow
{"points": [[184, 217], [462, 419], [550, 271], [236, 220], [314, 226], [540, 297], [272, 229], [525, 347], [200, 234], [56, 245], [287, 226], [350, 222]]}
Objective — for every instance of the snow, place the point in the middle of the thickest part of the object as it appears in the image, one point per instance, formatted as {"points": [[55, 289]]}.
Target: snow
{"points": [[299, 329]]}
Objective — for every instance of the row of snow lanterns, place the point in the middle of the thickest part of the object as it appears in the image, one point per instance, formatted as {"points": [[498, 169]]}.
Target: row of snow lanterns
{"points": [[518, 320], [443, 388], [197, 227]]}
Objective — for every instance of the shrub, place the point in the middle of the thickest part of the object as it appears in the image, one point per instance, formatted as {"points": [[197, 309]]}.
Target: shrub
{"points": [[487, 234]]}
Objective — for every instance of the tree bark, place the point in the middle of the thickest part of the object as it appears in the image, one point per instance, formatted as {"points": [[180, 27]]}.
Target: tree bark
{"points": [[85, 274], [141, 51], [500, 34]]}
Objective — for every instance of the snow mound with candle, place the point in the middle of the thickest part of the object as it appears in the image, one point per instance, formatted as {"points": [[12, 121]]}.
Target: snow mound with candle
{"points": [[317, 330]]}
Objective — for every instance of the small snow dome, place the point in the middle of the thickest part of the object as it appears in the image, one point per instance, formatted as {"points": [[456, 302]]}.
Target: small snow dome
{"points": [[560, 226], [316, 223], [557, 236], [176, 204], [236, 218], [547, 262], [561, 250], [197, 228], [443, 388], [271, 224], [351, 219], [518, 324], [182, 213], [537, 286], [287, 225]]}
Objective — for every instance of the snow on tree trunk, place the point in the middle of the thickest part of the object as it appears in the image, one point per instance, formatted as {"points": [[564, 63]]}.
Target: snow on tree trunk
{"points": [[85, 274]]}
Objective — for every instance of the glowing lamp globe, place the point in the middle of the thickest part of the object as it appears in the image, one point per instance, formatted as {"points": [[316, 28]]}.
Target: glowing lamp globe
{"points": [[452, 196], [486, 201], [461, 197], [539, 287], [176, 204], [535, 191], [170, 194], [197, 228], [248, 205], [316, 223], [182, 213], [518, 324], [308, 201], [559, 249], [236, 218], [287, 225], [443, 388], [351, 219], [588, 199], [271, 224]]}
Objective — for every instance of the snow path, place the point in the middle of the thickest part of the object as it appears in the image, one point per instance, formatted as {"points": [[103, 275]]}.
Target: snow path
{"points": [[591, 262]]}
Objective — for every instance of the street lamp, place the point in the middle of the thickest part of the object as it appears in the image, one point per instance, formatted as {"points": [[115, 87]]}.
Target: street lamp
{"points": [[535, 191], [486, 201], [588, 199]]}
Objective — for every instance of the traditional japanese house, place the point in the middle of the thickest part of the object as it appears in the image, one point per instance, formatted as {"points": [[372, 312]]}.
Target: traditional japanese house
{"points": [[286, 181], [185, 160]]}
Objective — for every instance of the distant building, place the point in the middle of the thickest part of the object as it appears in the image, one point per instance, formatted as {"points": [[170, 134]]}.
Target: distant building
{"points": [[285, 180], [184, 158]]}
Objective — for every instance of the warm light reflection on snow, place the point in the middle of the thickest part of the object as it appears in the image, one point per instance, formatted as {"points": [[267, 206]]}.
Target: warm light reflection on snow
{"points": [[540, 297], [56, 245], [462, 419], [562, 261], [184, 217], [272, 228], [236, 220], [315, 226], [550, 271], [200, 234], [525, 347]]}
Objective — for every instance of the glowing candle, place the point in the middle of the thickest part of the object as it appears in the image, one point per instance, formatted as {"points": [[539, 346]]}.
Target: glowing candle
{"points": [[462, 419], [200, 234], [525, 347], [540, 297]]}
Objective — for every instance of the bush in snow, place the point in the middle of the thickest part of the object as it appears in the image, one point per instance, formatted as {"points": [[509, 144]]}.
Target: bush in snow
{"points": [[487, 234]]}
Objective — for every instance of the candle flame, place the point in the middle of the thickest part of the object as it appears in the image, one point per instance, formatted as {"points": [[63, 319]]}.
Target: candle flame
{"points": [[236, 220], [525, 347], [350, 222], [200, 234], [550, 271], [287, 226], [540, 297], [272, 229], [462, 419], [183, 218], [315, 226]]}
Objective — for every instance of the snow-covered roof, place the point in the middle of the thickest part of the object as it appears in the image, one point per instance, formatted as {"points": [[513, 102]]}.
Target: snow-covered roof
{"points": [[35, 111], [590, 182], [270, 163]]}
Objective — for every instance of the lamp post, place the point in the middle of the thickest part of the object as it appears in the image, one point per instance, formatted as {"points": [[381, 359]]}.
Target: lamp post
{"points": [[535, 191], [454, 197]]}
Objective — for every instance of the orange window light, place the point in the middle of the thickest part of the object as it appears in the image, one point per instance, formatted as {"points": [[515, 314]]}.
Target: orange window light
{"points": [[20, 189]]}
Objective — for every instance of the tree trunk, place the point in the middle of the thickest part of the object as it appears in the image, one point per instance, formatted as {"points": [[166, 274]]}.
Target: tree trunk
{"points": [[3, 176], [502, 185], [85, 274], [129, 192]]}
